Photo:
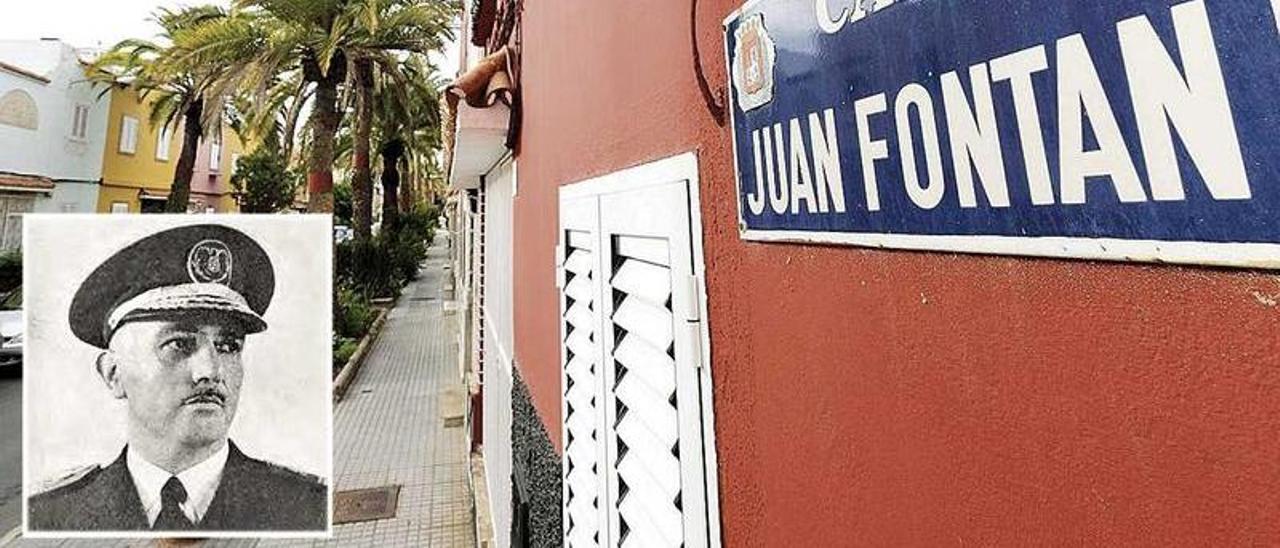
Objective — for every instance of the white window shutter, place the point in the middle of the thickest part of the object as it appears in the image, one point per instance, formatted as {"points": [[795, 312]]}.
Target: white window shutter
{"points": [[582, 412], [129, 135], [215, 154], [646, 435], [162, 144], [633, 337], [656, 479]]}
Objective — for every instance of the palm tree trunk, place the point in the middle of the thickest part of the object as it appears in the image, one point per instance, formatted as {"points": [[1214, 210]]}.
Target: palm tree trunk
{"points": [[408, 194], [391, 154], [362, 174], [324, 126], [180, 190]]}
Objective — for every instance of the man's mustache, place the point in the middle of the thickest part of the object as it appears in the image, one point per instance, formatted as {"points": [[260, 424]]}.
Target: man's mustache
{"points": [[206, 394]]}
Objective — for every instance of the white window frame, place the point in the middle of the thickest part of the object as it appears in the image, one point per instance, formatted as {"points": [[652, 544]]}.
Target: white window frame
{"points": [[661, 172], [15, 208], [119, 207], [128, 135], [235, 159], [80, 122], [163, 138], [215, 154]]}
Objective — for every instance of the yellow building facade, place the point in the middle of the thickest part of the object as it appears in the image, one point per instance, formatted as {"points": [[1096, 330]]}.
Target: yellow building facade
{"points": [[140, 158]]}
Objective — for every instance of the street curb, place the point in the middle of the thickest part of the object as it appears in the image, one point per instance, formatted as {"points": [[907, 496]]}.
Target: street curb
{"points": [[348, 373], [11, 536], [480, 504]]}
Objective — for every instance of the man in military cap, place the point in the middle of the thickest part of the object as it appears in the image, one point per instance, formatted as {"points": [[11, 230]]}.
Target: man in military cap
{"points": [[171, 313]]}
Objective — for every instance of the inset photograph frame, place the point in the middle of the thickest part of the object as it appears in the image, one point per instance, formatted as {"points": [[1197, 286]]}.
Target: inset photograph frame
{"points": [[178, 376]]}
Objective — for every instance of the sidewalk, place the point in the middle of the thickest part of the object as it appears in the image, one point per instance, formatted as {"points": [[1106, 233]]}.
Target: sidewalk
{"points": [[388, 430]]}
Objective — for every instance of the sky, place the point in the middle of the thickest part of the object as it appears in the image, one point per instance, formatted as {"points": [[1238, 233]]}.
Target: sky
{"points": [[83, 23], [103, 23]]}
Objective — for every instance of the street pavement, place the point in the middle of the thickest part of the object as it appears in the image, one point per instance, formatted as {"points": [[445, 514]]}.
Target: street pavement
{"points": [[10, 451]]}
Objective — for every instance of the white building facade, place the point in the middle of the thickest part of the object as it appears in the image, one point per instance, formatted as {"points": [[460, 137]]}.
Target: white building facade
{"points": [[53, 126]]}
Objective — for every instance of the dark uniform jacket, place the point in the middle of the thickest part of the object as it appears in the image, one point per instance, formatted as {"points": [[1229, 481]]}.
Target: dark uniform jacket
{"points": [[252, 495]]}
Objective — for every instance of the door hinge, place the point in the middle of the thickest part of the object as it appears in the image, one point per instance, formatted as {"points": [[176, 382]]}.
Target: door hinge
{"points": [[692, 284], [560, 259], [691, 287], [694, 328]]}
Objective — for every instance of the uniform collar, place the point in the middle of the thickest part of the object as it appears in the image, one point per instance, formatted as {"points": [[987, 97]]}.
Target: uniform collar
{"points": [[200, 481]]}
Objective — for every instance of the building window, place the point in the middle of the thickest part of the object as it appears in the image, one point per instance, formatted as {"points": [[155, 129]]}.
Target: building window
{"points": [[210, 209], [235, 160], [18, 109], [151, 204], [13, 208], [215, 154], [129, 135], [162, 145], [119, 207], [80, 122]]}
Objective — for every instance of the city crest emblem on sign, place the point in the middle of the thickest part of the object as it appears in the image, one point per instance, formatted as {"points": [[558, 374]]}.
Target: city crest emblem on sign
{"points": [[753, 60], [209, 262]]}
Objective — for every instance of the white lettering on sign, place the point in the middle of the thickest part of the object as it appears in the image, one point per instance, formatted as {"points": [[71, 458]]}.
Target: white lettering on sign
{"points": [[831, 25], [1186, 96], [975, 138], [755, 200], [1196, 106], [1079, 93], [1275, 12], [801, 181], [1017, 68], [852, 12], [783, 168], [826, 162], [930, 195], [779, 187], [872, 149]]}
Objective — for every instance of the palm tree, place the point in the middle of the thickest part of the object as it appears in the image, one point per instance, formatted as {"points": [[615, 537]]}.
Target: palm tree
{"points": [[265, 38], [408, 124], [389, 34], [273, 121], [177, 91], [404, 98]]}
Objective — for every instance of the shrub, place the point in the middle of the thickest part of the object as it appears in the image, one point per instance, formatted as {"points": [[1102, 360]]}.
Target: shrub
{"points": [[264, 182], [380, 266], [370, 268], [10, 270], [406, 253], [352, 314], [343, 349], [419, 222], [342, 203]]}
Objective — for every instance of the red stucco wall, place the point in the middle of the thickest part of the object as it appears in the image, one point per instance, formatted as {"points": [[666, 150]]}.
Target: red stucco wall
{"points": [[884, 397]]}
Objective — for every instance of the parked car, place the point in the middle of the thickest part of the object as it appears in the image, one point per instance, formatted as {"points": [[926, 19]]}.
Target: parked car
{"points": [[11, 329], [343, 233]]}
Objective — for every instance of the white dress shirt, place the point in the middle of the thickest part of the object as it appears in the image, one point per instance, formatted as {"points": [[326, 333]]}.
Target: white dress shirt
{"points": [[200, 481]]}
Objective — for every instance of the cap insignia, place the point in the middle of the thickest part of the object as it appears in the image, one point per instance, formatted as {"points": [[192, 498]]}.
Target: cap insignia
{"points": [[209, 262]]}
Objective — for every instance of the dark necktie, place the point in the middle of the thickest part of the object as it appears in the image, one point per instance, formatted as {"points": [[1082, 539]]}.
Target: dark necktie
{"points": [[171, 517]]}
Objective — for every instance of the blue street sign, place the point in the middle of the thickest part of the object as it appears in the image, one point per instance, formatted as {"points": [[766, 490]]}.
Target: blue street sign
{"points": [[1124, 129]]}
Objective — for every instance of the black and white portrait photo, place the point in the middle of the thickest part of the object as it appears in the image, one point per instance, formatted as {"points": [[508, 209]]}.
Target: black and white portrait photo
{"points": [[178, 377]]}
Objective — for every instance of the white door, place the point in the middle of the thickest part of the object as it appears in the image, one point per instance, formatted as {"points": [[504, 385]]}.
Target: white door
{"points": [[634, 461]]}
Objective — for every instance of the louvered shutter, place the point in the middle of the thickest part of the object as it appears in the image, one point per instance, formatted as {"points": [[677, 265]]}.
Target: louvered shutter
{"points": [[583, 461], [645, 396]]}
